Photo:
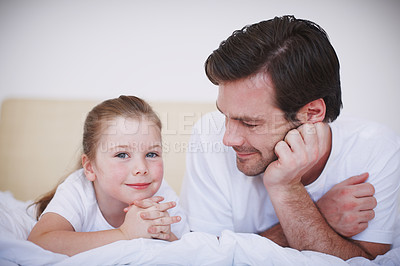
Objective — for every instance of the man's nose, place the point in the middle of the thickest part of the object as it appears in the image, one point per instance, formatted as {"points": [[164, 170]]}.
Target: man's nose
{"points": [[232, 136]]}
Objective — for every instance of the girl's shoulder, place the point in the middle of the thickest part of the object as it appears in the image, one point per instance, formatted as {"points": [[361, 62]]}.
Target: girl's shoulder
{"points": [[77, 183], [167, 192], [76, 178]]}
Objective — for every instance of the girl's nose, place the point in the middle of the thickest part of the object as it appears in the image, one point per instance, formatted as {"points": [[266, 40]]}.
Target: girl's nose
{"points": [[140, 168]]}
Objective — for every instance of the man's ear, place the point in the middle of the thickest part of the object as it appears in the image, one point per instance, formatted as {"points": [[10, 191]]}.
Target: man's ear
{"points": [[312, 112], [88, 168]]}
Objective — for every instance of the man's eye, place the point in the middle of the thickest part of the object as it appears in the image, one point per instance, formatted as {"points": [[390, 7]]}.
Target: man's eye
{"points": [[151, 155], [248, 125], [122, 155]]}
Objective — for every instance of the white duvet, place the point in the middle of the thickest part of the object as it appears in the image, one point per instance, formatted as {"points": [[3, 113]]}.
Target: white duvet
{"points": [[193, 249]]}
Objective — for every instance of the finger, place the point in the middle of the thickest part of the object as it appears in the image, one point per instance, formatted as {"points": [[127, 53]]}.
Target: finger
{"points": [[323, 135], [366, 216], [311, 140], [363, 190], [166, 220], [309, 134], [358, 179], [362, 227], [128, 208], [356, 229], [282, 151], [146, 203], [294, 140], [161, 236], [151, 215], [366, 203], [308, 131], [159, 229], [164, 206], [304, 144]]}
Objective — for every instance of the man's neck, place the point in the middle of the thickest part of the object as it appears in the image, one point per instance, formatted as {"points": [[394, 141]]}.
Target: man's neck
{"points": [[316, 171]]}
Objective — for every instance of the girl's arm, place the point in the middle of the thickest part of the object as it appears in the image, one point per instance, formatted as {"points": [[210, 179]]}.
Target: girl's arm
{"points": [[55, 233]]}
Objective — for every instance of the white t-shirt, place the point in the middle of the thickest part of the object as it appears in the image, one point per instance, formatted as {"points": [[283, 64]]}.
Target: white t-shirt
{"points": [[217, 196], [75, 200]]}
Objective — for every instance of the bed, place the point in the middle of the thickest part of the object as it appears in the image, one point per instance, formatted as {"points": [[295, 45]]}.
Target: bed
{"points": [[39, 143]]}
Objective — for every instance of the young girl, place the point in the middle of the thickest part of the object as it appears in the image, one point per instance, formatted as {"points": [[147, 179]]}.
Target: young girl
{"points": [[121, 165]]}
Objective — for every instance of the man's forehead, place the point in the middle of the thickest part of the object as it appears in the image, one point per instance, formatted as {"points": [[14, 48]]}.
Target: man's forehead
{"points": [[242, 115]]}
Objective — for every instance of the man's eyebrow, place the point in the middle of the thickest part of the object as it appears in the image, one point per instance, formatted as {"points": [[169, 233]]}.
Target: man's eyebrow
{"points": [[243, 118]]}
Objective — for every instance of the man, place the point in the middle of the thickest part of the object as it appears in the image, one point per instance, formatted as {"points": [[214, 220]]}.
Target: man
{"points": [[285, 171]]}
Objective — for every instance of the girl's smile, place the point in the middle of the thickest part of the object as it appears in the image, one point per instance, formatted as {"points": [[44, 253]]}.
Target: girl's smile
{"points": [[139, 186], [128, 165]]}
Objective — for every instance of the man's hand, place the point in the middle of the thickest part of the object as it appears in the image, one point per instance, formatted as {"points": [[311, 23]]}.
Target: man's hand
{"points": [[348, 206], [297, 154]]}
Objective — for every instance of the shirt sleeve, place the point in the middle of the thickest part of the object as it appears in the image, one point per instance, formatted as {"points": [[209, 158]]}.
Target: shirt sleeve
{"points": [[204, 194], [67, 203], [384, 172]]}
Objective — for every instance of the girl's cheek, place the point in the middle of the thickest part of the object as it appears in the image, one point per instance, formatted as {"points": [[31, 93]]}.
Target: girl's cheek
{"points": [[120, 170], [159, 170]]}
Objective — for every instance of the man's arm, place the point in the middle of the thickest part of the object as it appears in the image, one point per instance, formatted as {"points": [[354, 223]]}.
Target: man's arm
{"points": [[306, 229], [347, 208], [303, 225], [275, 233]]}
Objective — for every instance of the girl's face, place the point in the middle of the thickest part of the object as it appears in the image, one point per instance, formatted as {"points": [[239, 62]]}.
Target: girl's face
{"points": [[128, 164]]}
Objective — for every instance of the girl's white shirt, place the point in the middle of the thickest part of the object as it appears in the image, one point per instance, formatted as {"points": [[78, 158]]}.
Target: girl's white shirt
{"points": [[75, 200]]}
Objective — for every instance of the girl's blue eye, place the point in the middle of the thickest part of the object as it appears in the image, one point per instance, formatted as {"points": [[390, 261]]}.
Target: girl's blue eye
{"points": [[122, 155], [151, 155]]}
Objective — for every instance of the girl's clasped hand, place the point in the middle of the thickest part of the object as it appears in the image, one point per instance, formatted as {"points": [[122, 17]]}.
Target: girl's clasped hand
{"points": [[150, 218]]}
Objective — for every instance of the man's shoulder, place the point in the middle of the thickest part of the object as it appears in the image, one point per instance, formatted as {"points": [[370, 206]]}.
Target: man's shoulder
{"points": [[364, 143], [364, 130], [212, 122], [210, 127]]}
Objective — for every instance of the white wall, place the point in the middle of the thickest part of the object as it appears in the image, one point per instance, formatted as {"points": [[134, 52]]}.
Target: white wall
{"points": [[156, 49]]}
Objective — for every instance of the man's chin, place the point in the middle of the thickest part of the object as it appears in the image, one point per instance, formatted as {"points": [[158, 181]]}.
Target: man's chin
{"points": [[249, 169]]}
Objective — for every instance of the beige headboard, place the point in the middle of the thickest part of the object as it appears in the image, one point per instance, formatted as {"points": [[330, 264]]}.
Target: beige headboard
{"points": [[40, 141]]}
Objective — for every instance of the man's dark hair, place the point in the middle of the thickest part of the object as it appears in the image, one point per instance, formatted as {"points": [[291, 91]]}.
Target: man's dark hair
{"points": [[295, 53]]}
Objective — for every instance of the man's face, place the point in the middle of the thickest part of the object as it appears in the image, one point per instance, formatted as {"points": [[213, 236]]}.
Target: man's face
{"points": [[254, 125]]}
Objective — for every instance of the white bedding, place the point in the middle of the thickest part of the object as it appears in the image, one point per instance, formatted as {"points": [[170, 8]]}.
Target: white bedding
{"points": [[192, 249]]}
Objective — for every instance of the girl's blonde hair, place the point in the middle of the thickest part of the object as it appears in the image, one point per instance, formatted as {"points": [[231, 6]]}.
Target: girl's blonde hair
{"points": [[123, 106]]}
